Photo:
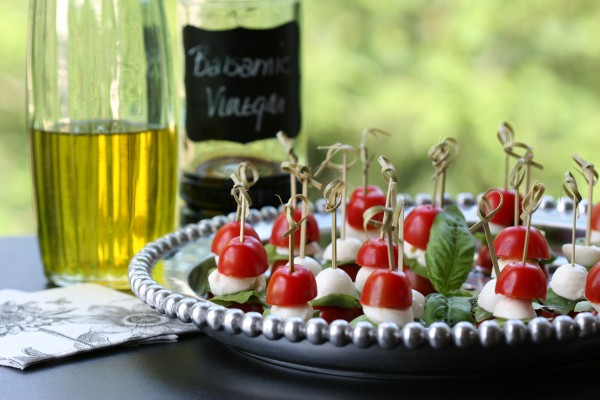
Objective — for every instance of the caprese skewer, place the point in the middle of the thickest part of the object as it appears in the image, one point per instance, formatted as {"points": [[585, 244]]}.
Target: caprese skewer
{"points": [[336, 295], [387, 295], [512, 293], [365, 196], [232, 228], [586, 253], [239, 279], [291, 288]]}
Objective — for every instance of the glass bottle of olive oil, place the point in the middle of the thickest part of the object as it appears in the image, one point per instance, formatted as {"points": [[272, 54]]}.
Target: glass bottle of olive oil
{"points": [[240, 62], [103, 142]]}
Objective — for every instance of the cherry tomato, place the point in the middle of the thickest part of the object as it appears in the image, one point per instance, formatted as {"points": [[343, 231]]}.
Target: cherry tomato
{"points": [[506, 214], [243, 259], [374, 253], [596, 217], [592, 284], [418, 223], [419, 283], [483, 262], [387, 289], [509, 243], [227, 232], [522, 281], [332, 313], [288, 288], [280, 226], [359, 202], [351, 269]]}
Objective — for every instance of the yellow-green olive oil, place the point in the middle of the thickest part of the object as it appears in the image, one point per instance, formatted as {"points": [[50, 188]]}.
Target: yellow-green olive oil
{"points": [[100, 198]]}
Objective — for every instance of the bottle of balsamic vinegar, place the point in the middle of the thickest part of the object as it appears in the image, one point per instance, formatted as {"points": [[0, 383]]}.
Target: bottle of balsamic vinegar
{"points": [[240, 86]]}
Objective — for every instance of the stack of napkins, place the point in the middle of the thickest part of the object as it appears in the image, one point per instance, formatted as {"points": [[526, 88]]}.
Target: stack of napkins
{"points": [[56, 323]]}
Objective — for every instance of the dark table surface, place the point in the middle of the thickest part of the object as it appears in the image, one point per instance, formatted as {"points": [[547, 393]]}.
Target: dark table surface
{"points": [[198, 367]]}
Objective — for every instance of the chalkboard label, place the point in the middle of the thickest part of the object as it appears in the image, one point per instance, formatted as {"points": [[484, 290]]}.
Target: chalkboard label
{"points": [[242, 84]]}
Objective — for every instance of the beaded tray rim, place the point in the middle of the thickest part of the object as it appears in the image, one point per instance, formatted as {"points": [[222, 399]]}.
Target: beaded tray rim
{"points": [[266, 337]]}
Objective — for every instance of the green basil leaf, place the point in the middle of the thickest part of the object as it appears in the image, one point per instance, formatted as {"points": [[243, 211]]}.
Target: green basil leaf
{"points": [[481, 314], [450, 251], [558, 304], [326, 264], [245, 296], [336, 300], [272, 253], [459, 309], [361, 318], [447, 309], [470, 294]]}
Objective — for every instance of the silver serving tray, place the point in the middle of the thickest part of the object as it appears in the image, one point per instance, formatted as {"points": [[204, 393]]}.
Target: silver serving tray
{"points": [[180, 262]]}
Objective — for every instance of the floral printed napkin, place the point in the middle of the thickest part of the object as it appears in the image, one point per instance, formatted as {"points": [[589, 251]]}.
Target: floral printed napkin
{"points": [[56, 323]]}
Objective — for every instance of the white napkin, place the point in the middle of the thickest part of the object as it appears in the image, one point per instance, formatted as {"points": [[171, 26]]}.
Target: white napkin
{"points": [[56, 323]]}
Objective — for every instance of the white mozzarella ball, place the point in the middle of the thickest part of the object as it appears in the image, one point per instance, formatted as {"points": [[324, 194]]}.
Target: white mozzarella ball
{"points": [[346, 250], [418, 304], [568, 281], [313, 265], [360, 234], [362, 275], [488, 297], [222, 284], [380, 314], [509, 308], [304, 311], [502, 262], [414, 252], [334, 281], [584, 255]]}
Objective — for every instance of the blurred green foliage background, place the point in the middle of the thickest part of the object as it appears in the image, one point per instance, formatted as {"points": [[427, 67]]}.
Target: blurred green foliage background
{"points": [[422, 70]]}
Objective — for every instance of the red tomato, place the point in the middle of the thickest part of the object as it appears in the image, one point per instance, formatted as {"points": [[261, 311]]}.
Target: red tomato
{"points": [[522, 281], [288, 288], [280, 226], [418, 223], [506, 214], [351, 269], [374, 253], [596, 217], [387, 289], [243, 259], [332, 313], [419, 283], [483, 262], [227, 232], [509, 243], [359, 203], [592, 284]]}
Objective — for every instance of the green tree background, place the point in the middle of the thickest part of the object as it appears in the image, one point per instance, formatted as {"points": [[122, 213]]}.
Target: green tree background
{"points": [[422, 70]]}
